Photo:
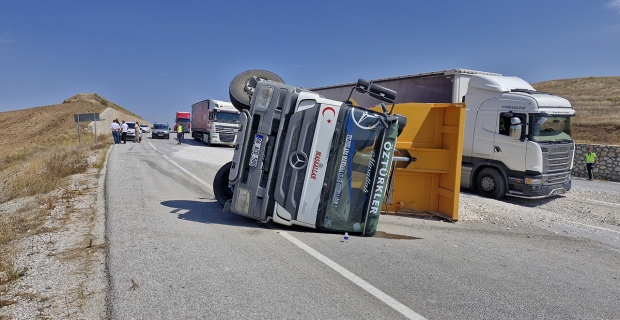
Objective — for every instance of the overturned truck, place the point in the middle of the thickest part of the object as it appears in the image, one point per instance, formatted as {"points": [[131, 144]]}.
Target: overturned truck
{"points": [[305, 160]]}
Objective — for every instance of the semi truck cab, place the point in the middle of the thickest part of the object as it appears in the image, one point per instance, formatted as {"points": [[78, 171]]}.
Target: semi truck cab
{"points": [[306, 160], [518, 141]]}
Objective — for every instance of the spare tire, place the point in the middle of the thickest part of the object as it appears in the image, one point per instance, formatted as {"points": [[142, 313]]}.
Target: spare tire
{"points": [[240, 90]]}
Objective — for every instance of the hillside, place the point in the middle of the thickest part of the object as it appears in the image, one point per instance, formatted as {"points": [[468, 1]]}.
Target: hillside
{"points": [[46, 123], [597, 102]]}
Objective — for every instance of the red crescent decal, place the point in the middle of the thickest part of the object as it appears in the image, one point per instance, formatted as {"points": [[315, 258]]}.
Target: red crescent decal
{"points": [[330, 109]]}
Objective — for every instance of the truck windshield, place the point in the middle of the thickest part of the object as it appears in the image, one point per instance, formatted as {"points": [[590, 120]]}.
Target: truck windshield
{"points": [[349, 184], [226, 117], [550, 128]]}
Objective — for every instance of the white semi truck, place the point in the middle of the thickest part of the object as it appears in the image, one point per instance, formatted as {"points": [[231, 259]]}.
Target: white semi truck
{"points": [[215, 122], [306, 160], [517, 141]]}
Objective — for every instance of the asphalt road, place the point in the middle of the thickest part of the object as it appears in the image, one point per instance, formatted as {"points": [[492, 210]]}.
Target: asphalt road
{"points": [[173, 254]]}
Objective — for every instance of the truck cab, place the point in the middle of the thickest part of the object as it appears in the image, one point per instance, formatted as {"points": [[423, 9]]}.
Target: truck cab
{"points": [[518, 141], [306, 160]]}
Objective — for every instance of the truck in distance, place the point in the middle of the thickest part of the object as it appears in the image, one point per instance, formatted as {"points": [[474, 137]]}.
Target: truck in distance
{"points": [[517, 141], [306, 160], [215, 122], [182, 117]]}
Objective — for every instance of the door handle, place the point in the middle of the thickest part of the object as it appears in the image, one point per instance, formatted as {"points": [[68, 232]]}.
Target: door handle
{"points": [[497, 149]]}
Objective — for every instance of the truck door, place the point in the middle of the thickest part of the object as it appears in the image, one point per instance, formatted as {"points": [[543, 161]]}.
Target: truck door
{"points": [[509, 151], [483, 136]]}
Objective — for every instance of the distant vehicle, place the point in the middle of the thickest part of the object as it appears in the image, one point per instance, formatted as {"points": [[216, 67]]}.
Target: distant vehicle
{"points": [[144, 127], [160, 130], [215, 122], [182, 117], [131, 130]]}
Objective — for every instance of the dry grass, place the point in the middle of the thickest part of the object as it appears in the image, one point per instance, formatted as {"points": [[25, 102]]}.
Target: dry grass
{"points": [[46, 192], [25, 221], [40, 170], [36, 165], [597, 102]]}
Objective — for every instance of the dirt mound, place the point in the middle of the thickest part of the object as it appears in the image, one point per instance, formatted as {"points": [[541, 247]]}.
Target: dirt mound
{"points": [[88, 97], [45, 124]]}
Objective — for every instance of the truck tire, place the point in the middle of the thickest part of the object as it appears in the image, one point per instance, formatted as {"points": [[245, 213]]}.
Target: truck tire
{"points": [[491, 183], [240, 91], [220, 184]]}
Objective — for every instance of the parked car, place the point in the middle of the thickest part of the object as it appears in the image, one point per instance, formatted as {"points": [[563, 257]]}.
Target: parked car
{"points": [[144, 127], [161, 130], [131, 130]]}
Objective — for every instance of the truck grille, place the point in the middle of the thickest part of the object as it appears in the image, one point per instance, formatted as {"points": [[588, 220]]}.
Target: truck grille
{"points": [[301, 174], [227, 137], [557, 178], [557, 158], [225, 129], [289, 170]]}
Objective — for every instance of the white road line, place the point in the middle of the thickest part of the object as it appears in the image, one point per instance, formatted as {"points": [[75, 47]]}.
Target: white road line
{"points": [[587, 225], [393, 303], [208, 185], [596, 201]]}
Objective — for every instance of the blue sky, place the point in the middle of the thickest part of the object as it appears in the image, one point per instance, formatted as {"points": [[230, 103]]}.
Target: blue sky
{"points": [[157, 57]]}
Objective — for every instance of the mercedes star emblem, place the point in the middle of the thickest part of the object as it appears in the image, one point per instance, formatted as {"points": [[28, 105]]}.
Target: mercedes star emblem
{"points": [[298, 160]]}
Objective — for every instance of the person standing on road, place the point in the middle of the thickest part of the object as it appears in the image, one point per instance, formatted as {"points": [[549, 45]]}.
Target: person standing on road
{"points": [[116, 129], [124, 128], [591, 160], [179, 132], [137, 129]]}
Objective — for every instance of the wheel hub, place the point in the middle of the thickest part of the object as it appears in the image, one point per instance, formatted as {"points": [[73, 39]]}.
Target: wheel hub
{"points": [[487, 184]]}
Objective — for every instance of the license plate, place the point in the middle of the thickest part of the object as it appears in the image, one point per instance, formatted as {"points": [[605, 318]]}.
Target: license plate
{"points": [[258, 141], [557, 191]]}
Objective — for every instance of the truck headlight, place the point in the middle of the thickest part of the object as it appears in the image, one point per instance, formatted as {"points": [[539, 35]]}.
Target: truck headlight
{"points": [[263, 98], [533, 181]]}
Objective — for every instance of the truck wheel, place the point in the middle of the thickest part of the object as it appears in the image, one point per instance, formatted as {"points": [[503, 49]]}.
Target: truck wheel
{"points": [[220, 184], [491, 183], [240, 90]]}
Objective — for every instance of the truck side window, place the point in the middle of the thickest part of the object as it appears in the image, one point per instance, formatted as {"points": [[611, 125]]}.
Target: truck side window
{"points": [[504, 125]]}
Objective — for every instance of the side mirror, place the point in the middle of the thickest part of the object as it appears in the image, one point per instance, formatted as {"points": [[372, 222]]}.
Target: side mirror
{"points": [[515, 132], [382, 93]]}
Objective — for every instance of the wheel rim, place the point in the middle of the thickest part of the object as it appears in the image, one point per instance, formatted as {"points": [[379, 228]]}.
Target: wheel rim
{"points": [[248, 89], [487, 184]]}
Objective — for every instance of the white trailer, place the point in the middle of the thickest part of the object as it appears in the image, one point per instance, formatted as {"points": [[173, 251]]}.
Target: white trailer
{"points": [[215, 122], [517, 140]]}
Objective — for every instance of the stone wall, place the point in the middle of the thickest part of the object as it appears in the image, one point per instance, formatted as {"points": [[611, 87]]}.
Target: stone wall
{"points": [[608, 167]]}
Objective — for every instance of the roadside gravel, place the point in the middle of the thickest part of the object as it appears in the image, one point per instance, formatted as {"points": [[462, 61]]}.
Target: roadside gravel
{"points": [[66, 276], [590, 210]]}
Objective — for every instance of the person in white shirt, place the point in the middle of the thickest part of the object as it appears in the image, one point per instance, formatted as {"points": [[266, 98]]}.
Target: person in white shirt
{"points": [[116, 130], [124, 128]]}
